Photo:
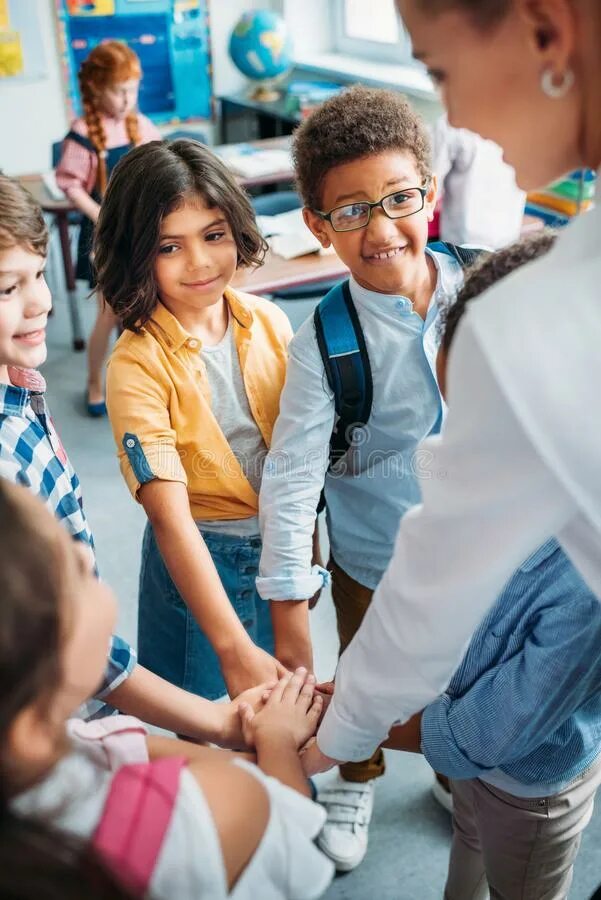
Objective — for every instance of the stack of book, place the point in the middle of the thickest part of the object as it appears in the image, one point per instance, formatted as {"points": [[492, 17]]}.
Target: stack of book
{"points": [[556, 204]]}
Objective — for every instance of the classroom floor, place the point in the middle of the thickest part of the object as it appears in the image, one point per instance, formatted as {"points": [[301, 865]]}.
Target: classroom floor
{"points": [[410, 833]]}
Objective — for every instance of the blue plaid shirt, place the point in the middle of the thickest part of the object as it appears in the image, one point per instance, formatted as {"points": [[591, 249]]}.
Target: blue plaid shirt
{"points": [[31, 454], [523, 710]]}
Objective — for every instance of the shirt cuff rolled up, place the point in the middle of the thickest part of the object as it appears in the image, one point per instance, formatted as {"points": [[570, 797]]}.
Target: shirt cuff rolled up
{"points": [[144, 462], [293, 587], [439, 744]]}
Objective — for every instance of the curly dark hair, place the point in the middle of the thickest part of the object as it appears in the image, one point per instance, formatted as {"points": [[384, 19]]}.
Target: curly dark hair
{"points": [[359, 121], [487, 271], [21, 219], [483, 13], [146, 185]]}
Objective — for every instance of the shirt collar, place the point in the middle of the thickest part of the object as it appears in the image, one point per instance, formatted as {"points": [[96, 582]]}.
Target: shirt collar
{"points": [[365, 297], [13, 400], [176, 335], [15, 397], [449, 274]]}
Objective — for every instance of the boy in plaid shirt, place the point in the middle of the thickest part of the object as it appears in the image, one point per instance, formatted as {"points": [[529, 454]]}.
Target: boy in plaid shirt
{"points": [[32, 454]]}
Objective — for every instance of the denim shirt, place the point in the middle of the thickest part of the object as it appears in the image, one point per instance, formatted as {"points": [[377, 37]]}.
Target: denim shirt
{"points": [[379, 478], [523, 710]]}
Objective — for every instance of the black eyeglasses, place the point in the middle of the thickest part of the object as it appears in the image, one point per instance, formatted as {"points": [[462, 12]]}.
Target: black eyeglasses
{"points": [[397, 205]]}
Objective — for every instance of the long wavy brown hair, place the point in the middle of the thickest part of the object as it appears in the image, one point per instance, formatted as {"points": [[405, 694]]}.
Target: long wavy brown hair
{"points": [[109, 63], [146, 185]]}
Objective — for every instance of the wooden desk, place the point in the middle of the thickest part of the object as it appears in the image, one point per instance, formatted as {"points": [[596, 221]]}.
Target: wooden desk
{"points": [[277, 273]]}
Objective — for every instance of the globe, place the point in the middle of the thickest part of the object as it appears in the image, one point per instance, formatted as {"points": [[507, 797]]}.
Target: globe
{"points": [[261, 48]]}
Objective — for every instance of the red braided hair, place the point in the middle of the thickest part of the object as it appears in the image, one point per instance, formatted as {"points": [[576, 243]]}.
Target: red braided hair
{"points": [[109, 63]]}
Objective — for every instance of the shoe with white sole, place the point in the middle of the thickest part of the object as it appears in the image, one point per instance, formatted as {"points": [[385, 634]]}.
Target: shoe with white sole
{"points": [[349, 806]]}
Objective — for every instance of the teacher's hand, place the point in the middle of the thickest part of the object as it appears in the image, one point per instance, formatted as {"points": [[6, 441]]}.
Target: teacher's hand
{"points": [[314, 761]]}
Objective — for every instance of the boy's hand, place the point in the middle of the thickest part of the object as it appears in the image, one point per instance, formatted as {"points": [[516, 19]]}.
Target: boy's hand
{"points": [[326, 691], [314, 761], [290, 713], [250, 666], [231, 736]]}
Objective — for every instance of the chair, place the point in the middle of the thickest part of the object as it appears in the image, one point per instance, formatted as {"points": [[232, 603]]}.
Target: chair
{"points": [[272, 205], [73, 224]]}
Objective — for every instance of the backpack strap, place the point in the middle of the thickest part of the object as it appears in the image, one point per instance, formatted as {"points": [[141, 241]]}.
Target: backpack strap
{"points": [[80, 139], [135, 818], [342, 346], [465, 256]]}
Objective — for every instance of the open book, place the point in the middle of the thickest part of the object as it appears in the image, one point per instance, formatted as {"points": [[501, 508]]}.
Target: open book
{"points": [[288, 235], [250, 162]]}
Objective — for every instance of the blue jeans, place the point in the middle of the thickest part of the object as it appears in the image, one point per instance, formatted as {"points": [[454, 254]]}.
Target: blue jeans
{"points": [[170, 642]]}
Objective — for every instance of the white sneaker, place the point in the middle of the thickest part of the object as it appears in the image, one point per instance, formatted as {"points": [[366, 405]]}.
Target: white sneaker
{"points": [[349, 806], [442, 795]]}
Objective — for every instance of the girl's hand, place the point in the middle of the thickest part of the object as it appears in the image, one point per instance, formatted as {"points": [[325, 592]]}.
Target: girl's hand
{"points": [[291, 712], [231, 734], [249, 666], [314, 761]]}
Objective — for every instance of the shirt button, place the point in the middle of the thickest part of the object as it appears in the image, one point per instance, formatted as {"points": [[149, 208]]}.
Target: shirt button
{"points": [[192, 344], [130, 443]]}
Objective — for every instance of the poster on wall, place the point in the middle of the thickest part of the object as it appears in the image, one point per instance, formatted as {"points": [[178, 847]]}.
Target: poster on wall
{"points": [[171, 37], [22, 53]]}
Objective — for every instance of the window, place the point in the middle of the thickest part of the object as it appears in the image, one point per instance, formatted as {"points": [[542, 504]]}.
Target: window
{"points": [[372, 30]]}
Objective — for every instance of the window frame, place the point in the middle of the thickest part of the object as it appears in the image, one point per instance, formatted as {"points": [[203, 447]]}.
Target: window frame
{"points": [[399, 53]]}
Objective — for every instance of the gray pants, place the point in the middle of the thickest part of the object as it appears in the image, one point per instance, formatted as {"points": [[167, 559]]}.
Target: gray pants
{"points": [[519, 849]]}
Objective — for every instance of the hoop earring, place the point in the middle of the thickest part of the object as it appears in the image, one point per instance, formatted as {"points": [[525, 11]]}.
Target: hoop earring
{"points": [[556, 91]]}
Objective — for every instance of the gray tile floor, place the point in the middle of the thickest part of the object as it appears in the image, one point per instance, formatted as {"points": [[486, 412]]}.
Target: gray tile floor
{"points": [[410, 834]]}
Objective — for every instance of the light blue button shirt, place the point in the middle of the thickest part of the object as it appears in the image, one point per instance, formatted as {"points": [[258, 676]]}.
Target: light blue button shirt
{"points": [[379, 479]]}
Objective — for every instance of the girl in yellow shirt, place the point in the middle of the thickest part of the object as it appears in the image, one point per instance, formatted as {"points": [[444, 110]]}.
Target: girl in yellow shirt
{"points": [[193, 391]]}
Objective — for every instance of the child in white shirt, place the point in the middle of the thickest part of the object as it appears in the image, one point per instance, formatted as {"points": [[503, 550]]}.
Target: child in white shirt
{"points": [[482, 205]]}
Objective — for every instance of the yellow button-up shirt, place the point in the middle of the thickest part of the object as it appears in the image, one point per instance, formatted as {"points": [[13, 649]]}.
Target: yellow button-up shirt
{"points": [[159, 404]]}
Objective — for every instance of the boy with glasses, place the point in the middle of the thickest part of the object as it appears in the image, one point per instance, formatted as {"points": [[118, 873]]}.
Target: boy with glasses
{"points": [[364, 171]]}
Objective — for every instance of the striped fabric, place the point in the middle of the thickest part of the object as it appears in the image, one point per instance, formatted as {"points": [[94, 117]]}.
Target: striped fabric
{"points": [[526, 700], [563, 199], [31, 454]]}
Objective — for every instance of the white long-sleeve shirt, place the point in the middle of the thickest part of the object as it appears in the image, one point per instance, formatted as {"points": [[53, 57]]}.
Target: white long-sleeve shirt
{"points": [[481, 203], [519, 460]]}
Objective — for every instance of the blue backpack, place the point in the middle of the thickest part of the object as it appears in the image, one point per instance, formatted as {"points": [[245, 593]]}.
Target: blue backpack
{"points": [[342, 346]]}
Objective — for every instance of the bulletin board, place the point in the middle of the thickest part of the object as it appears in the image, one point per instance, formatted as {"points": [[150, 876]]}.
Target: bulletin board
{"points": [[22, 55], [171, 37]]}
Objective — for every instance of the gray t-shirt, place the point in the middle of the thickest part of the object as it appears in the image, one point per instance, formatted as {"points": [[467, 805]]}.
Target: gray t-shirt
{"points": [[232, 410]]}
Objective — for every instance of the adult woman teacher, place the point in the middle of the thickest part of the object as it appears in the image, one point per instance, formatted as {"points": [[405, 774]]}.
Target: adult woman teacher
{"points": [[519, 457]]}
